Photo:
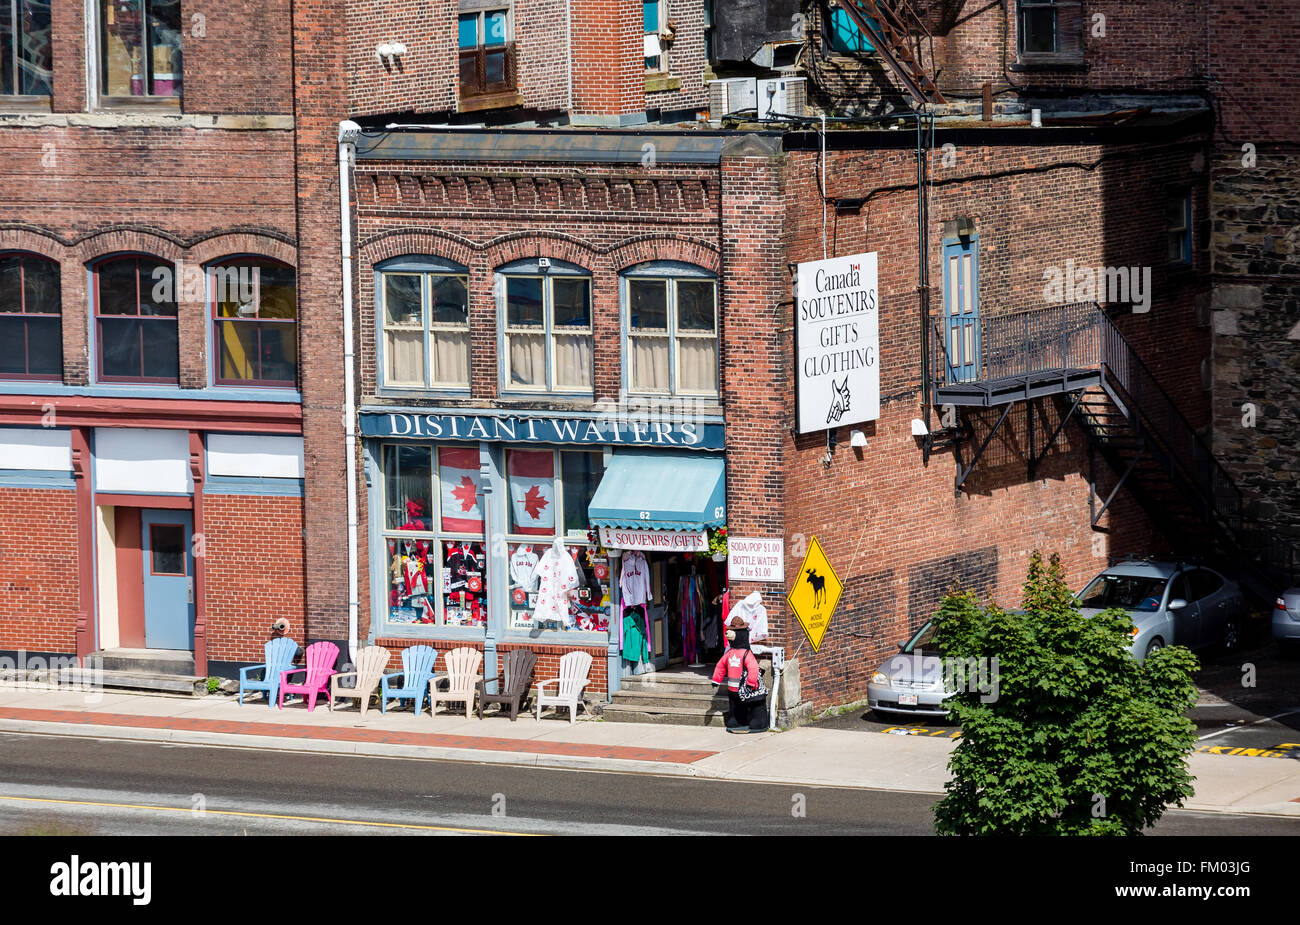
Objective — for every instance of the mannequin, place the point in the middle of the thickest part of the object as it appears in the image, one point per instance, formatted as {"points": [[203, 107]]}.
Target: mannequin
{"points": [[556, 576]]}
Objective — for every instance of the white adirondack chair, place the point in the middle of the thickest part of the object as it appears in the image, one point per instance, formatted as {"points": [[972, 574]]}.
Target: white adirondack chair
{"points": [[371, 662], [462, 679], [574, 669]]}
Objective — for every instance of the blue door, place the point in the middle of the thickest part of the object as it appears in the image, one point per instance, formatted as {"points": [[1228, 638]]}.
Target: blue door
{"points": [[961, 309], [168, 579]]}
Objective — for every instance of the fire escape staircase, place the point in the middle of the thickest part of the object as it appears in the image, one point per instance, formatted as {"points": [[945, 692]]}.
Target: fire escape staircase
{"points": [[1075, 356], [902, 40]]}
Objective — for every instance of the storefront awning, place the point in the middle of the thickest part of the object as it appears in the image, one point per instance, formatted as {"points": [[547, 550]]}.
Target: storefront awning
{"points": [[661, 491]]}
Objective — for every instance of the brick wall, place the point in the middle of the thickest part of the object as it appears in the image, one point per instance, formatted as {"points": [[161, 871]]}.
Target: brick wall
{"points": [[425, 79], [40, 570], [686, 61], [253, 572], [608, 58]]}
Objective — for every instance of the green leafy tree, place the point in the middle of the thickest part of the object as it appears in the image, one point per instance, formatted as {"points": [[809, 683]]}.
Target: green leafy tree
{"points": [[1074, 737]]}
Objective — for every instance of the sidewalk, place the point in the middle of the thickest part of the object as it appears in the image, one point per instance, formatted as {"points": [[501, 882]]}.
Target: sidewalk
{"points": [[806, 756]]}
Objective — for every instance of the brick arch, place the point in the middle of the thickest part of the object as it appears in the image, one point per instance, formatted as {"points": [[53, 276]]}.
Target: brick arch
{"points": [[526, 245], [651, 247], [129, 240], [243, 242], [430, 242], [36, 242]]}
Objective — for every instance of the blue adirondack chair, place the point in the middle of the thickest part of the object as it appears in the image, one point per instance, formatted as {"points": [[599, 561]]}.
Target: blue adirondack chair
{"points": [[417, 669], [279, 658]]}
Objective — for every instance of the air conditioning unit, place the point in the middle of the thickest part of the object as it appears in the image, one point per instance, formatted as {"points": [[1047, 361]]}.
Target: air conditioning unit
{"points": [[786, 96], [732, 95]]}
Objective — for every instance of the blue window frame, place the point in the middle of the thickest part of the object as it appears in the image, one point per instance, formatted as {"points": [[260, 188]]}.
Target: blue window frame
{"points": [[846, 37], [961, 308]]}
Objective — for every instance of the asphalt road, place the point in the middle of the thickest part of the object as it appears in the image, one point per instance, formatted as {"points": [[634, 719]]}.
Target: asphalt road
{"points": [[64, 785]]}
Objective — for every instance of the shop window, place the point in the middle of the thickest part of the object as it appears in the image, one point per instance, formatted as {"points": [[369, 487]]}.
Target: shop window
{"points": [[425, 329], [487, 53], [135, 321], [549, 493], [140, 49], [31, 323], [1049, 31], [25, 56], [255, 322], [437, 558], [1179, 230], [672, 334], [547, 343], [844, 36]]}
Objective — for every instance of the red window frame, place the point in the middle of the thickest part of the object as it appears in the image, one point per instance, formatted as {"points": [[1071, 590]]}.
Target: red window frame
{"points": [[100, 317], [23, 258], [258, 321]]}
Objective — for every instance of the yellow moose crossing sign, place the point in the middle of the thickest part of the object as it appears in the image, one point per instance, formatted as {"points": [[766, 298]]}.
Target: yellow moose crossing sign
{"points": [[815, 593]]}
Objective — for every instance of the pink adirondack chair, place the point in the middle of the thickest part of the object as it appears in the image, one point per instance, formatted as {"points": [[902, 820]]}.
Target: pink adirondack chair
{"points": [[320, 667]]}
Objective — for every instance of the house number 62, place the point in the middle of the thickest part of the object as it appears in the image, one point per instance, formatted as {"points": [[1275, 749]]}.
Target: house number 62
{"points": [[645, 515]]}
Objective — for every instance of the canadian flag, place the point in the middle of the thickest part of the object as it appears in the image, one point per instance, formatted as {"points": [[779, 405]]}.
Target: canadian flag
{"points": [[532, 492], [458, 475]]}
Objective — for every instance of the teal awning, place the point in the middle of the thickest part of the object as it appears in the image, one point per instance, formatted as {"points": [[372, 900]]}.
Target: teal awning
{"points": [[675, 491]]}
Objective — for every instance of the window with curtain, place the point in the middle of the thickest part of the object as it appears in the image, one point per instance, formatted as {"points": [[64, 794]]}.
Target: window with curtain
{"points": [[255, 322], [425, 329], [31, 323], [26, 66], [672, 334], [140, 48], [652, 16], [1049, 31], [135, 321], [548, 344]]}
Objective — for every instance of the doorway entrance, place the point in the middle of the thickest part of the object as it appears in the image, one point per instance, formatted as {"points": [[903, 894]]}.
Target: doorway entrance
{"points": [[155, 578]]}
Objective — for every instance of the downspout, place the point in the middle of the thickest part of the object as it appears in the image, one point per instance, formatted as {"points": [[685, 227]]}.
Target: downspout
{"points": [[823, 185], [348, 132], [568, 52]]}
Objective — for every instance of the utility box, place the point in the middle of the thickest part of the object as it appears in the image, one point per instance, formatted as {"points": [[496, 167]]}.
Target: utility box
{"points": [[732, 95], [786, 96]]}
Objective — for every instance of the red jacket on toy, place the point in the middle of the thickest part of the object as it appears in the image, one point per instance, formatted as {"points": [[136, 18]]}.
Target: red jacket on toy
{"points": [[734, 665]]}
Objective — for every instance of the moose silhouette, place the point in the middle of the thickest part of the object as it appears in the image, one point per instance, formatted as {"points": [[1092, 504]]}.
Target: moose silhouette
{"points": [[818, 583]]}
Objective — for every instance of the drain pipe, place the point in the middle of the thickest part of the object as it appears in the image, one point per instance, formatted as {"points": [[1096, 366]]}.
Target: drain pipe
{"points": [[348, 132]]}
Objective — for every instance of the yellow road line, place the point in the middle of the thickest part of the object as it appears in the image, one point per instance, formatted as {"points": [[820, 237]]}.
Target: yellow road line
{"points": [[228, 812]]}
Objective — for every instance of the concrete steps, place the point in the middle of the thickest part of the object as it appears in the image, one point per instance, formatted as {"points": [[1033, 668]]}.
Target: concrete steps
{"points": [[681, 697], [165, 671]]}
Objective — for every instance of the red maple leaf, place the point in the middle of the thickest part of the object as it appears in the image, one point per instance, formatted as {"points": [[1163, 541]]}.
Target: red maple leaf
{"points": [[465, 493], [534, 503]]}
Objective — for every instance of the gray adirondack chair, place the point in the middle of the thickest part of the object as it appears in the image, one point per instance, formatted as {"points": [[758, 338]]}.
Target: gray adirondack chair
{"points": [[371, 662], [517, 677], [462, 679], [574, 668]]}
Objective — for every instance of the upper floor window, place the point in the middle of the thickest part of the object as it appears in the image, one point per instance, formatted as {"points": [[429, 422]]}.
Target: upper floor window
{"points": [[487, 52], [672, 331], [135, 321], [31, 329], [255, 322], [425, 328], [25, 58], [844, 36], [653, 14], [1179, 231], [140, 48], [547, 343], [1049, 30]]}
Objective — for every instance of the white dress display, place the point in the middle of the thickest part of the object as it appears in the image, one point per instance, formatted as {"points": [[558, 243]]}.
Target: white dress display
{"points": [[556, 576]]}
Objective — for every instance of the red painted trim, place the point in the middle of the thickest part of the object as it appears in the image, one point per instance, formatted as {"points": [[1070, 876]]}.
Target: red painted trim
{"points": [[130, 578], [171, 502], [198, 466], [177, 414], [87, 627]]}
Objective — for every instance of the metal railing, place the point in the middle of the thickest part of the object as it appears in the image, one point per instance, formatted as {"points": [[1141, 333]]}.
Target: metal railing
{"points": [[1021, 343]]}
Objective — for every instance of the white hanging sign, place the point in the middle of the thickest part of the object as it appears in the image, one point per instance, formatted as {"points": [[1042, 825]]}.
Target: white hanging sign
{"points": [[755, 559], [837, 330]]}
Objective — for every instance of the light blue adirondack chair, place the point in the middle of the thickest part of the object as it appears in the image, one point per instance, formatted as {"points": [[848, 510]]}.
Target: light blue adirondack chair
{"points": [[279, 658], [417, 669]]}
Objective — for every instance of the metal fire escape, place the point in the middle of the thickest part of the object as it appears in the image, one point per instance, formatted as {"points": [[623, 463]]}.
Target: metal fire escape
{"points": [[902, 40], [1075, 356]]}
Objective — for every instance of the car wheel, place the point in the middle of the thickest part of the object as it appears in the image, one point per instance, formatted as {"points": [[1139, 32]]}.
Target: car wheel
{"points": [[1155, 645], [1231, 635]]}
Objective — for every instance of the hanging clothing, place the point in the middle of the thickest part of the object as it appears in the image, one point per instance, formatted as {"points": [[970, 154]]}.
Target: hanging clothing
{"points": [[523, 565], [634, 579], [689, 596], [636, 643], [752, 611], [556, 577]]}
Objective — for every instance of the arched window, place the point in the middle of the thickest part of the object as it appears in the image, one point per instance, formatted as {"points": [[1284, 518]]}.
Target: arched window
{"points": [[135, 320], [671, 325], [424, 311], [31, 326], [255, 322], [547, 343]]}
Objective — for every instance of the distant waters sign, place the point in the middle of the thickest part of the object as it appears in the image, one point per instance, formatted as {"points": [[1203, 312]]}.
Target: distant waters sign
{"points": [[837, 326]]}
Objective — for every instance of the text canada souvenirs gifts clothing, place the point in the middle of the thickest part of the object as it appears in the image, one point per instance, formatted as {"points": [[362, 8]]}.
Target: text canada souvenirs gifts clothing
{"points": [[556, 577]]}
